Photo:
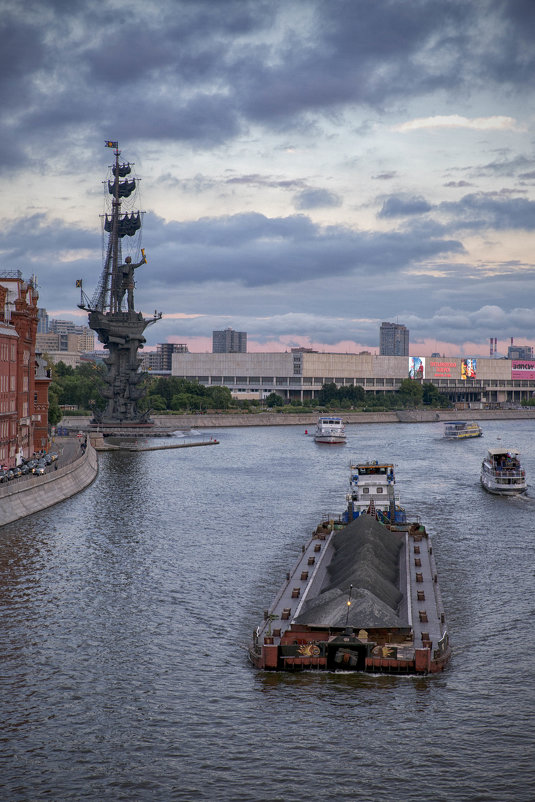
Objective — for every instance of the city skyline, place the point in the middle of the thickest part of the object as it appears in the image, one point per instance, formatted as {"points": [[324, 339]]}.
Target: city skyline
{"points": [[309, 169]]}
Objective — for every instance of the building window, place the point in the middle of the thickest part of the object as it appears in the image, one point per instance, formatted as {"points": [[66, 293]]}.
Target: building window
{"points": [[281, 380], [228, 379]]}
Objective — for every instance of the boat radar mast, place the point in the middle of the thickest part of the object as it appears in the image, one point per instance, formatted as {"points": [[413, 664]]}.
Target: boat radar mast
{"points": [[111, 310]]}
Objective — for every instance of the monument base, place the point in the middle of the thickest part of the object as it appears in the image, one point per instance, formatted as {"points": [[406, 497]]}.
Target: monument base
{"points": [[129, 429]]}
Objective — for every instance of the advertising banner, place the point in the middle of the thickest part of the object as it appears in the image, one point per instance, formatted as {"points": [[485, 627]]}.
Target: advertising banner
{"points": [[468, 368], [441, 369], [416, 367], [523, 369]]}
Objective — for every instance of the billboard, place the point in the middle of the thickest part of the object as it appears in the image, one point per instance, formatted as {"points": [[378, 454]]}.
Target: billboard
{"points": [[523, 369], [468, 368], [441, 369], [416, 367]]}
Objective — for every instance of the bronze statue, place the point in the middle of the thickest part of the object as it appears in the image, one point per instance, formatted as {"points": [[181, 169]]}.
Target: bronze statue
{"points": [[126, 271]]}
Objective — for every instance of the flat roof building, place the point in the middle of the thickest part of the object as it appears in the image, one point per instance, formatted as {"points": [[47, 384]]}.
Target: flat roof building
{"points": [[301, 375]]}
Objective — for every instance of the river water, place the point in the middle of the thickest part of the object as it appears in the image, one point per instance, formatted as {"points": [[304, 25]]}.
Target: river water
{"points": [[125, 610]]}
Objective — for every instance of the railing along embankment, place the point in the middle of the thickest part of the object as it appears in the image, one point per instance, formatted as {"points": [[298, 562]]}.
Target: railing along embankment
{"points": [[29, 494]]}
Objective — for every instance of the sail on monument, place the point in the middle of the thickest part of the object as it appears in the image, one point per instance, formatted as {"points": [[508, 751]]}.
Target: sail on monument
{"points": [[111, 310]]}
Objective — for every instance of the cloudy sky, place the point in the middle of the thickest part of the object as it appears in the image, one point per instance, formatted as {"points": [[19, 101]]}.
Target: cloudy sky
{"points": [[309, 168]]}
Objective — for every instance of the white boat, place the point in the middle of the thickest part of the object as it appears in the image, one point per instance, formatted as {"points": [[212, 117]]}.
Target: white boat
{"points": [[330, 430], [461, 429], [502, 472], [372, 490]]}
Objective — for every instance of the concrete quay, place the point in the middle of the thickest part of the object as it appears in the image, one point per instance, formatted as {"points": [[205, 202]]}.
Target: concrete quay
{"points": [[75, 471], [308, 419]]}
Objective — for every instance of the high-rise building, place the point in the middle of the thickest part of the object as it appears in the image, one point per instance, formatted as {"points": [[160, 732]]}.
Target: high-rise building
{"points": [[161, 360], [42, 321], [229, 341], [166, 351], [393, 340]]}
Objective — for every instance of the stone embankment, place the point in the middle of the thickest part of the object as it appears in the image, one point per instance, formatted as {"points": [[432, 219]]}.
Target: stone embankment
{"points": [[75, 471], [218, 420]]}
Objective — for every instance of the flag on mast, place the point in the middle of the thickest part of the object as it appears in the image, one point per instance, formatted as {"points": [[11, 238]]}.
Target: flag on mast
{"points": [[110, 144]]}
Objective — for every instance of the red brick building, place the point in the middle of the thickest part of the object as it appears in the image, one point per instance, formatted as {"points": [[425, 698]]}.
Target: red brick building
{"points": [[23, 397]]}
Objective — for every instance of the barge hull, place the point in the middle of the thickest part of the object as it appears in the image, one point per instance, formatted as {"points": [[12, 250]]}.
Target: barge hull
{"points": [[382, 627]]}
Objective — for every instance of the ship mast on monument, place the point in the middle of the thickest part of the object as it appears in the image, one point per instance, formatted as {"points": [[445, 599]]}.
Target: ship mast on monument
{"points": [[111, 310]]}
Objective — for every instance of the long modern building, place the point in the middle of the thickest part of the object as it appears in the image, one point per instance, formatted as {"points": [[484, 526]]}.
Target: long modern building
{"points": [[300, 375]]}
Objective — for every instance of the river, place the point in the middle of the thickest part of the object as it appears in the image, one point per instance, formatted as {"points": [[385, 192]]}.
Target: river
{"points": [[124, 613]]}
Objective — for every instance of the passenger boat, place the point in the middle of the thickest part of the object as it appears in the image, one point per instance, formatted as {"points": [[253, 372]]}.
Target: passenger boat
{"points": [[461, 429], [330, 430], [362, 596], [502, 472], [372, 486]]}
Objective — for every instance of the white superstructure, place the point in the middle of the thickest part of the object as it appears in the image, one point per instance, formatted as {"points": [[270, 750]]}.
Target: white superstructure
{"points": [[502, 472], [330, 429], [372, 490]]}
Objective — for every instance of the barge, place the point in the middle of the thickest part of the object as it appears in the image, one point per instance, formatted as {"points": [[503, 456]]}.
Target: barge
{"points": [[362, 596]]}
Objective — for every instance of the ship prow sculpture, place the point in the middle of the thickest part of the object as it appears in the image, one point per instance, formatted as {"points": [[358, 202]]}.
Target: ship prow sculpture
{"points": [[111, 310]]}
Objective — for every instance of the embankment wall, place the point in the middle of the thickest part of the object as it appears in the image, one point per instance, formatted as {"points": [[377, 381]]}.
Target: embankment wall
{"points": [[30, 494], [214, 420]]}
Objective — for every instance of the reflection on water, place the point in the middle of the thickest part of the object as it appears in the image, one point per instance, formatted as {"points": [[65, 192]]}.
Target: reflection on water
{"points": [[125, 610]]}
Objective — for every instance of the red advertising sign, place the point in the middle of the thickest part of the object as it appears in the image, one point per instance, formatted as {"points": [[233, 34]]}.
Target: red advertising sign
{"points": [[441, 369], [523, 369]]}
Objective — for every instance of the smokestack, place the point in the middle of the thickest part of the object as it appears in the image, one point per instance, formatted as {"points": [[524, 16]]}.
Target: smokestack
{"points": [[511, 341], [491, 342]]}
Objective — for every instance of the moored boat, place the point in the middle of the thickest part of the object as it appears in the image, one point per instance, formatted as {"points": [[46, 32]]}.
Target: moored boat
{"points": [[362, 596], [461, 429], [502, 472], [330, 429]]}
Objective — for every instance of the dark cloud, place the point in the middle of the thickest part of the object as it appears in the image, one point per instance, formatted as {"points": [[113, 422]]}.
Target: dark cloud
{"points": [[489, 210], [457, 184], [403, 206], [201, 72], [316, 199]]}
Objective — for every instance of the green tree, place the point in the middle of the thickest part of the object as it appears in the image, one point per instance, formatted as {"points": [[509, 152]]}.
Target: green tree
{"points": [[411, 392], [328, 394], [220, 397], [54, 412], [156, 402], [181, 401], [432, 396], [274, 400]]}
